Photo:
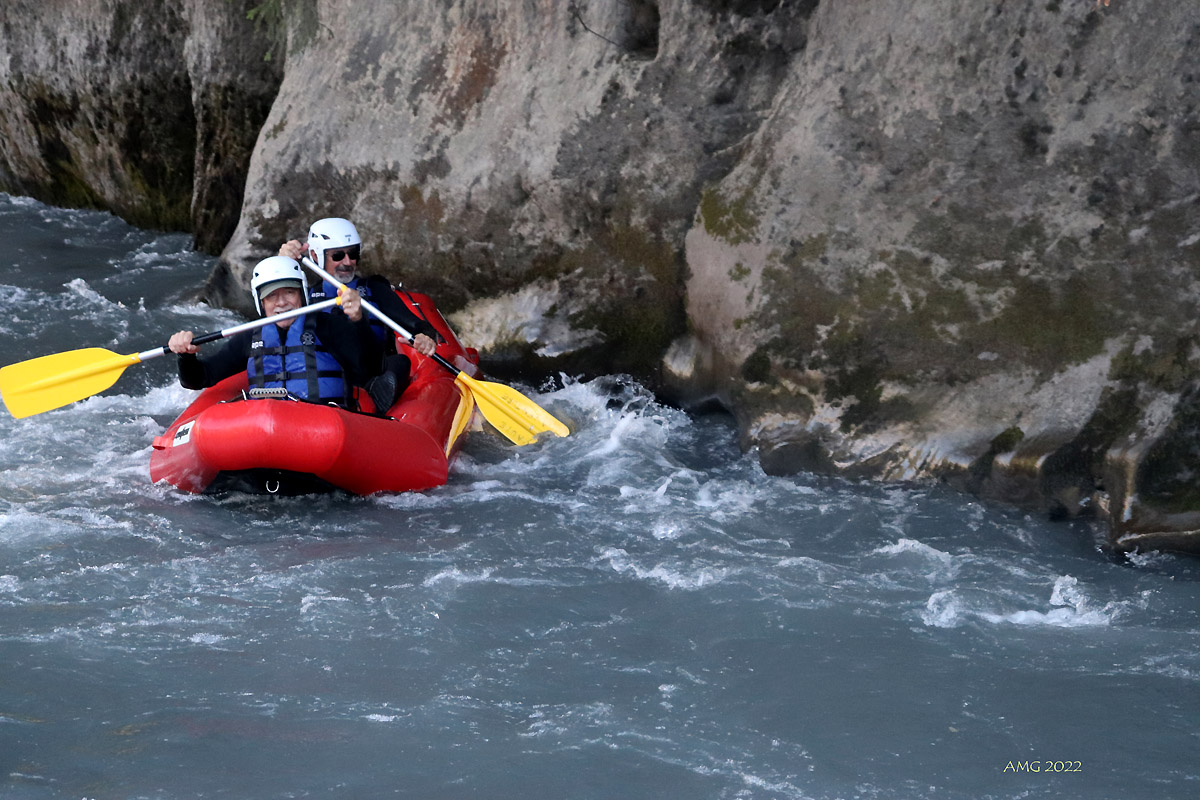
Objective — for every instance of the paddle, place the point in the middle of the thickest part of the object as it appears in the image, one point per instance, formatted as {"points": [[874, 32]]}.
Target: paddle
{"points": [[510, 412], [43, 384]]}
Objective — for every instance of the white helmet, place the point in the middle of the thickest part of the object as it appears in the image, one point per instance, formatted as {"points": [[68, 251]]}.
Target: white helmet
{"points": [[276, 272], [330, 234]]}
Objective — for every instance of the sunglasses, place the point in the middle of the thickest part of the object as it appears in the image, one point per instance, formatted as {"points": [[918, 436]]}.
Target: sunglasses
{"points": [[338, 255]]}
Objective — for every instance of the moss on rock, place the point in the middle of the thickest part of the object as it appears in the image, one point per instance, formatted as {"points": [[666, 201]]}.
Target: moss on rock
{"points": [[645, 312], [732, 220]]}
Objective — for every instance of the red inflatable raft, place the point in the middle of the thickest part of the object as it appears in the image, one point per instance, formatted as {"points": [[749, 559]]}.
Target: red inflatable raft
{"points": [[223, 441]]}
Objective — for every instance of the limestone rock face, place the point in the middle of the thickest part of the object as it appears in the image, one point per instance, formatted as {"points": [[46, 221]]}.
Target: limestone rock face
{"points": [[148, 110], [964, 245], [898, 240], [551, 154]]}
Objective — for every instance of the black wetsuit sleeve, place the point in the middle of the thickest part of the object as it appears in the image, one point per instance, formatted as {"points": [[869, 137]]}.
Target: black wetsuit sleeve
{"points": [[353, 344], [385, 299], [215, 363]]}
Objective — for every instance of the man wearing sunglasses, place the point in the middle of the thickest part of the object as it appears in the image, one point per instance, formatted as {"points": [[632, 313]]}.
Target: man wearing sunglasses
{"points": [[334, 243]]}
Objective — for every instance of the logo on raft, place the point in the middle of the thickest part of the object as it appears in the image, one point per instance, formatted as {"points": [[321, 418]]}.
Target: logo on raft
{"points": [[183, 435]]}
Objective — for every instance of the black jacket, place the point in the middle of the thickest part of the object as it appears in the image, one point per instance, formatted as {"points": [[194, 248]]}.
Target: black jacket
{"points": [[386, 300]]}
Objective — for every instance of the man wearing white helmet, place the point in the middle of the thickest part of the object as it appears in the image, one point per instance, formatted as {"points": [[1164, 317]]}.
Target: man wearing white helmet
{"points": [[316, 357], [334, 245]]}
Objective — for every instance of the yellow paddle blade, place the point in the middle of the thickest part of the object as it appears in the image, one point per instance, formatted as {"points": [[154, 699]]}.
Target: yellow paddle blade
{"points": [[43, 384], [462, 416], [510, 412]]}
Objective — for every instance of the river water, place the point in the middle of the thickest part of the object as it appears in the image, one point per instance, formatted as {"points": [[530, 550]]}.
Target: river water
{"points": [[636, 611]]}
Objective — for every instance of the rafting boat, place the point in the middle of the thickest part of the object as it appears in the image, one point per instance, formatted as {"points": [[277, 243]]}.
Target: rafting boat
{"points": [[226, 440]]}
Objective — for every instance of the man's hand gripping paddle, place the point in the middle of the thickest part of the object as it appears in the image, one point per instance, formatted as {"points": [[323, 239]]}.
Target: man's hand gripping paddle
{"points": [[510, 412]]}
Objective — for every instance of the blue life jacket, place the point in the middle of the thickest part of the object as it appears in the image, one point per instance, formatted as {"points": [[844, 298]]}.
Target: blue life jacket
{"points": [[327, 291], [300, 364]]}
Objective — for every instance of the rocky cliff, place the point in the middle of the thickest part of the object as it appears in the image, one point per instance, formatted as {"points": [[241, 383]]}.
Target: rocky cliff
{"points": [[149, 110], [899, 240]]}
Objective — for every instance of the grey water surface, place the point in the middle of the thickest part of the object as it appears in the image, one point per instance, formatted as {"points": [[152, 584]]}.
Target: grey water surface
{"points": [[636, 611]]}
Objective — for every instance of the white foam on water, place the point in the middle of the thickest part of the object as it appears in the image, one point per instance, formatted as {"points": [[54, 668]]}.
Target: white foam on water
{"points": [[96, 301], [1151, 559], [83, 464], [617, 456], [726, 500], [455, 576], [776, 788], [904, 546], [1169, 666], [199, 318], [20, 201], [614, 412], [316, 603], [669, 529], [170, 398], [673, 576], [942, 610], [14, 296], [933, 563], [627, 425], [208, 639], [1069, 606]]}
